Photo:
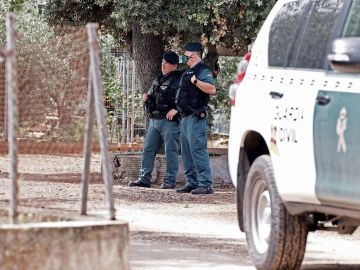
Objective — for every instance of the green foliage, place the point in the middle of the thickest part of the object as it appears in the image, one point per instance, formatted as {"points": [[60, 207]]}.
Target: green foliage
{"points": [[80, 12], [76, 13], [17, 5], [227, 23], [113, 92], [228, 66], [219, 104], [4, 8], [53, 81], [230, 23], [352, 28], [29, 22]]}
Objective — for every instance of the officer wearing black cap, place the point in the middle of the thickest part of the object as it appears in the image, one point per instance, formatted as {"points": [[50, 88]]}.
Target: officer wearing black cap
{"points": [[192, 97], [164, 125]]}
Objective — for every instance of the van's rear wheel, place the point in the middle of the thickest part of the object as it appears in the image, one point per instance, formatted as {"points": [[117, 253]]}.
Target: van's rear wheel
{"points": [[276, 239]]}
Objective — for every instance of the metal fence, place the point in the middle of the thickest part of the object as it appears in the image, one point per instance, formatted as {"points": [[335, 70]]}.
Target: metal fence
{"points": [[52, 81], [126, 113], [51, 95]]}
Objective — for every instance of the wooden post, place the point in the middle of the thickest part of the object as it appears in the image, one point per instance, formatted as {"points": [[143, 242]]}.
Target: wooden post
{"points": [[12, 112], [87, 146], [100, 113]]}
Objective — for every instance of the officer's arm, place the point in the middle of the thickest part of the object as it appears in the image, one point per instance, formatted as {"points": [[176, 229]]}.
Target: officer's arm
{"points": [[205, 82], [206, 87]]}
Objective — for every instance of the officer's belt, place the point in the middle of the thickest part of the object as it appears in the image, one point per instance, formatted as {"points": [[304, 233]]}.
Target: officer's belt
{"points": [[158, 116], [185, 114]]}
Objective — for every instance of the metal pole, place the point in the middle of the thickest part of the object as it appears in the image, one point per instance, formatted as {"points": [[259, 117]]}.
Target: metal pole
{"points": [[123, 121], [87, 146], [118, 106], [5, 114], [127, 103], [132, 102], [100, 113], [12, 113]]}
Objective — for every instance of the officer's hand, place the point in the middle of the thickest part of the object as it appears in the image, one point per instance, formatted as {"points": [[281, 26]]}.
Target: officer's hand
{"points": [[193, 79], [145, 97], [170, 115]]}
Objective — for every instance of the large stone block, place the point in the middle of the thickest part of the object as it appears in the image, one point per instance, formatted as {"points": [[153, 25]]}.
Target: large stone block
{"points": [[65, 245]]}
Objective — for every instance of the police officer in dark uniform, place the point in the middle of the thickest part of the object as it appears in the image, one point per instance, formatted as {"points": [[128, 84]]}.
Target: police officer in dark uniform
{"points": [[164, 125], [192, 97]]}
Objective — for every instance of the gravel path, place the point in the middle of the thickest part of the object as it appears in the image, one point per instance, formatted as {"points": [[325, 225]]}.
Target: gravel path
{"points": [[168, 230]]}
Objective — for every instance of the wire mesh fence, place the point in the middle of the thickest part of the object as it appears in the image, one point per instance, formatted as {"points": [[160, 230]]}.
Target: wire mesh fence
{"points": [[52, 83], [126, 114], [53, 115], [53, 80], [56, 95]]}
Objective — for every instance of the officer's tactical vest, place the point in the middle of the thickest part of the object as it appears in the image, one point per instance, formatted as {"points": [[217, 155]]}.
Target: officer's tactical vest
{"points": [[162, 94], [190, 99]]}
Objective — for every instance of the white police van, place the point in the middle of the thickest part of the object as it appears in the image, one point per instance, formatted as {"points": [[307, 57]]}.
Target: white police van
{"points": [[294, 149]]}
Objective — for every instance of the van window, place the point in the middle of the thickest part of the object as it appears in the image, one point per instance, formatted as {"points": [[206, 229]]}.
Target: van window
{"points": [[282, 32], [352, 26], [311, 50]]}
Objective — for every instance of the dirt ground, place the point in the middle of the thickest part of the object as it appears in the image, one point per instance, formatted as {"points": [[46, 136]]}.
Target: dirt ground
{"points": [[168, 230]]}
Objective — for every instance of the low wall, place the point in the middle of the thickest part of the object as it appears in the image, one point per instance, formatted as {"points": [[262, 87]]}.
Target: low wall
{"points": [[126, 167], [65, 245]]}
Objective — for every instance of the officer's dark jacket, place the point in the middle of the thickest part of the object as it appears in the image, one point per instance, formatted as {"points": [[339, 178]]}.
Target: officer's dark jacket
{"points": [[189, 98], [162, 94]]}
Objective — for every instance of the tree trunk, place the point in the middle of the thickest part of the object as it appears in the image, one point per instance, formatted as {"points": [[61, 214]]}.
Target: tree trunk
{"points": [[211, 58], [148, 50]]}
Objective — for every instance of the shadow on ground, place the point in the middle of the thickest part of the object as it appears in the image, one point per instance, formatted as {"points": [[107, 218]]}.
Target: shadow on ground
{"points": [[331, 266]]}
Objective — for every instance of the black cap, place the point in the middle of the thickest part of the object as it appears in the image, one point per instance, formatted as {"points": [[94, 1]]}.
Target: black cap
{"points": [[171, 58], [193, 47]]}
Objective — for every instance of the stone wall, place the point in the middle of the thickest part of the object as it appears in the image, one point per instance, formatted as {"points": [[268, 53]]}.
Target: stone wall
{"points": [[126, 167]]}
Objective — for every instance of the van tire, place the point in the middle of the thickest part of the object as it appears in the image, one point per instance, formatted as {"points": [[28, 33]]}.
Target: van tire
{"points": [[276, 239]]}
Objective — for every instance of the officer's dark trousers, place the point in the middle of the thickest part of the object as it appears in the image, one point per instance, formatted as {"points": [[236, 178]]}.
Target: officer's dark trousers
{"points": [[159, 132], [194, 151]]}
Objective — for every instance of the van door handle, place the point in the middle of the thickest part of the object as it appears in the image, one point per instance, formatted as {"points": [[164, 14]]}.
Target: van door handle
{"points": [[323, 100], [276, 95]]}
